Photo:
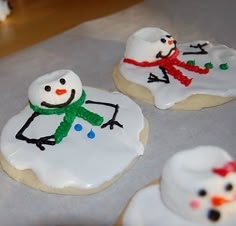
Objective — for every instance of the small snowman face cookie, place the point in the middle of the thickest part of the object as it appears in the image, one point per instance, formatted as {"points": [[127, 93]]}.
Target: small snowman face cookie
{"points": [[197, 187], [188, 76], [67, 136]]}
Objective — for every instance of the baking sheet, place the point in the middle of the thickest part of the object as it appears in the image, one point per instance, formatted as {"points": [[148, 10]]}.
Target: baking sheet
{"points": [[91, 50]]}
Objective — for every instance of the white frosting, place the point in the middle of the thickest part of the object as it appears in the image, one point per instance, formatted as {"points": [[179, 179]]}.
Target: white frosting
{"points": [[78, 161], [217, 82], [183, 176], [147, 209], [4, 10]]}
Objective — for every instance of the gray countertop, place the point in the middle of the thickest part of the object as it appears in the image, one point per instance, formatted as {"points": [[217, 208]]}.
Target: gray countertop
{"points": [[91, 50]]}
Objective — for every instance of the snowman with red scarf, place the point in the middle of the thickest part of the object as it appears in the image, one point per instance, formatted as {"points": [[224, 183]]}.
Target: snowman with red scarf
{"points": [[170, 72], [162, 52]]}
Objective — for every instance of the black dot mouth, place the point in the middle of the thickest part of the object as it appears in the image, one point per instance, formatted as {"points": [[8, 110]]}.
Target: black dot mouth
{"points": [[48, 105], [214, 215]]}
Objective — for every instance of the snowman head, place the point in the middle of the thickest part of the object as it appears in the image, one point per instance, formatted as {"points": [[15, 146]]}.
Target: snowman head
{"points": [[200, 184], [55, 90], [149, 44]]}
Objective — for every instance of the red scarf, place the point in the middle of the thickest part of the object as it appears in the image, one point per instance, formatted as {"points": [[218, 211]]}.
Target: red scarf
{"points": [[169, 64]]}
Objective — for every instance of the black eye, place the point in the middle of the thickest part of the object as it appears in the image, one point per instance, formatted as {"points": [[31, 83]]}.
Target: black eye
{"points": [[168, 36], [62, 81], [229, 187], [47, 88], [202, 192], [163, 40]]}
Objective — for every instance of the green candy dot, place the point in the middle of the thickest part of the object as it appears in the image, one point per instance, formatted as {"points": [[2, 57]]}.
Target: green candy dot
{"points": [[209, 65], [192, 62], [224, 66]]}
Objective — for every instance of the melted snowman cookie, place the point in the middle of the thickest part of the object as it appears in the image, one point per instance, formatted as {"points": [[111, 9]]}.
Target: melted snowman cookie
{"points": [[72, 139], [187, 76], [197, 188]]}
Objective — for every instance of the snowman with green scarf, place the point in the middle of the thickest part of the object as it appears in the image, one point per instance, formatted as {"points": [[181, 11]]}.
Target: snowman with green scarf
{"points": [[61, 93]]}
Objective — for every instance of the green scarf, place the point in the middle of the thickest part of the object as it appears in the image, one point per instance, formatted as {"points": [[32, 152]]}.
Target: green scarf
{"points": [[71, 111]]}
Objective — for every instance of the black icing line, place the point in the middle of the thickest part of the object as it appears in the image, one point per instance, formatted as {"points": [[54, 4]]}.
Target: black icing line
{"points": [[159, 54], [48, 105], [38, 142], [154, 78], [200, 46], [112, 121]]}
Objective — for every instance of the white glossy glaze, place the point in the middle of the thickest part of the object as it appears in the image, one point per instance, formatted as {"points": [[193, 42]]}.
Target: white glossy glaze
{"points": [[147, 209], [217, 82], [78, 161], [183, 176]]}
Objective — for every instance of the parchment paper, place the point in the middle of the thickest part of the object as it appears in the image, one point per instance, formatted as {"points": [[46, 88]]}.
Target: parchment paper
{"points": [[91, 50]]}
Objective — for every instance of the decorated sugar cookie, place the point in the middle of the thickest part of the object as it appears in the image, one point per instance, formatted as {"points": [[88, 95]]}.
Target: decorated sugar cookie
{"points": [[188, 76], [197, 188], [72, 139]]}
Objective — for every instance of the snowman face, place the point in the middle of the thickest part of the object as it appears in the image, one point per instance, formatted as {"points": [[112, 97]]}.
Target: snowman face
{"points": [[165, 46], [215, 200], [149, 44], [55, 90]]}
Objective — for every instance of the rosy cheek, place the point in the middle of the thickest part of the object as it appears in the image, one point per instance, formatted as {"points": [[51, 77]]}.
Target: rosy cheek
{"points": [[234, 196], [194, 204]]}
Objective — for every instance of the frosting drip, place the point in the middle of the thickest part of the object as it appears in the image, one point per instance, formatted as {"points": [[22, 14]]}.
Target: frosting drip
{"points": [[194, 190], [78, 161], [150, 58]]}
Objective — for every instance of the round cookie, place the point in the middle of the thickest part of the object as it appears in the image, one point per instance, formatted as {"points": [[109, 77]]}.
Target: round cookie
{"points": [[71, 139], [188, 76], [197, 188]]}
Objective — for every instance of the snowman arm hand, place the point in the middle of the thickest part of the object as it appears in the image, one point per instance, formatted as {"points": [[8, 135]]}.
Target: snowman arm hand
{"points": [[20, 135], [154, 78], [112, 121], [197, 46], [38, 142], [45, 140]]}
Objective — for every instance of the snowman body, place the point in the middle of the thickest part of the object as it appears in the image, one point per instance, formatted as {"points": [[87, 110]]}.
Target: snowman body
{"points": [[192, 191], [148, 45], [89, 156]]}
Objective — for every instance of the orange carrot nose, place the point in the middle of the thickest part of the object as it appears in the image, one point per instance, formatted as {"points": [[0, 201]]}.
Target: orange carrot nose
{"points": [[61, 91], [218, 200], [170, 42]]}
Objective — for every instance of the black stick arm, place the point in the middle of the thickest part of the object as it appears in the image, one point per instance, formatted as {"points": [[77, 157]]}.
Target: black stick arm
{"points": [[154, 78], [20, 135], [112, 121], [38, 142], [198, 46]]}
